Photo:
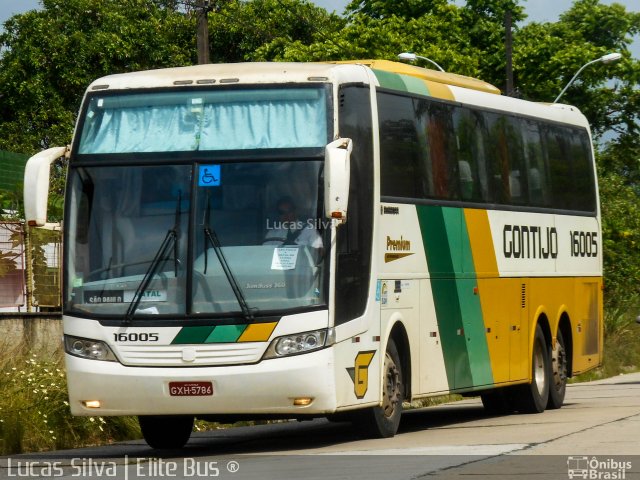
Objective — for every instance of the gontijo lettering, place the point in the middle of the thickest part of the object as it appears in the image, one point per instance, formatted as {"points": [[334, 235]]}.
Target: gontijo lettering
{"points": [[520, 241]]}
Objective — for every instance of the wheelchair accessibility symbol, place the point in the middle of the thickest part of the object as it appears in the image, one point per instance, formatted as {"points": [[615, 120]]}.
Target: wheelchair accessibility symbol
{"points": [[209, 176]]}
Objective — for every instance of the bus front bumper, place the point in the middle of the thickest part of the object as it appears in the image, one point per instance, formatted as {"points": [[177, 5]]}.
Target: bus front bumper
{"points": [[268, 387]]}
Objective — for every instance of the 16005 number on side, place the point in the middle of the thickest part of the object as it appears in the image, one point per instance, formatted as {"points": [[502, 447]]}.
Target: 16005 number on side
{"points": [[190, 389]]}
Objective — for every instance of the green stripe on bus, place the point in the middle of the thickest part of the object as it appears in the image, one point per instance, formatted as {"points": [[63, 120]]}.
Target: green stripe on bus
{"points": [[445, 295], [458, 309], [415, 85], [226, 334], [403, 83], [390, 80], [471, 310], [192, 335]]}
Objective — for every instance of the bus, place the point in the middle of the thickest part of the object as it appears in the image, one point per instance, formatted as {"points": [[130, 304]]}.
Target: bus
{"points": [[281, 240]]}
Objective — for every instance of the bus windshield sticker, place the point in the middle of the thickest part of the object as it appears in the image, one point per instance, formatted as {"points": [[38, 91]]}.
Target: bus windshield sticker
{"points": [[122, 296], [284, 258], [209, 176]]}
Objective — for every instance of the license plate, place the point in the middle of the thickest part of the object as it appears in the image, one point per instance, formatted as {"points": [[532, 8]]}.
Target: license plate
{"points": [[190, 389]]}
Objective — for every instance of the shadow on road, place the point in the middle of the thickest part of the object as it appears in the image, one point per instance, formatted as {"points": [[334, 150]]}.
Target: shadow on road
{"points": [[277, 437]]}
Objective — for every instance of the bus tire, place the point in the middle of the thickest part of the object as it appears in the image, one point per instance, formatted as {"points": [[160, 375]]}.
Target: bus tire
{"points": [[533, 397], [164, 432], [383, 421], [558, 387]]}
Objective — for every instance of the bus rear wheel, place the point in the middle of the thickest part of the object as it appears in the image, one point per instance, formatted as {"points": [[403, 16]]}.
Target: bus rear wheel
{"points": [[558, 387], [533, 397], [164, 432], [383, 421]]}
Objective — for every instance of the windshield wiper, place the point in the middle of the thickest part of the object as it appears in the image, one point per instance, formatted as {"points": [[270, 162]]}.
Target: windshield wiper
{"points": [[212, 237], [170, 240]]}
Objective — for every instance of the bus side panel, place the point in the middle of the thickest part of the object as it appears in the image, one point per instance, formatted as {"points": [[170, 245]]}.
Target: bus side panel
{"points": [[433, 373], [358, 362], [588, 328], [505, 316], [458, 308]]}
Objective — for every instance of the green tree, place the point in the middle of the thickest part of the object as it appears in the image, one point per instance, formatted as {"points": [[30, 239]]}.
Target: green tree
{"points": [[262, 30], [49, 57], [438, 33], [547, 55], [621, 238], [379, 9]]}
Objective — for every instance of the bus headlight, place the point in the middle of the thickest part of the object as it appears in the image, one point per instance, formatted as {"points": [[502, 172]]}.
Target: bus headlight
{"points": [[91, 349], [300, 343]]}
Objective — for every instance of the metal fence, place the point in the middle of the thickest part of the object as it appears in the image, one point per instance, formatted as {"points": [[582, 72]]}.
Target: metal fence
{"points": [[29, 268]]}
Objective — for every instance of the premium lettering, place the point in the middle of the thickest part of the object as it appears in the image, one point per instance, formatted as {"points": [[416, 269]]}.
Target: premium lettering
{"points": [[401, 245]]}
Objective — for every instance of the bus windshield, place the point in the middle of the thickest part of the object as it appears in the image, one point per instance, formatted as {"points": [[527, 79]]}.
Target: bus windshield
{"points": [[205, 120], [210, 237]]}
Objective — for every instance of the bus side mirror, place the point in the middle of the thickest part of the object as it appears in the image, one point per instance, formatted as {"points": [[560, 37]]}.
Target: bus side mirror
{"points": [[337, 163], [36, 185]]}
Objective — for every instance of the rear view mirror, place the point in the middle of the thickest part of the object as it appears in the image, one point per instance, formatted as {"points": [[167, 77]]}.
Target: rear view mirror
{"points": [[337, 163], [36, 185]]}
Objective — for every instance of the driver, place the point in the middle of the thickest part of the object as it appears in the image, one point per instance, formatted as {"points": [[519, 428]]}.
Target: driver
{"points": [[289, 229]]}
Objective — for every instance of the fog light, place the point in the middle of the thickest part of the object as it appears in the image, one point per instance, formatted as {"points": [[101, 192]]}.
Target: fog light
{"points": [[91, 403], [302, 401]]}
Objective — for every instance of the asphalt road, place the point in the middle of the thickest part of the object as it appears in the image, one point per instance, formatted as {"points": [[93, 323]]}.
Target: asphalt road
{"points": [[595, 435]]}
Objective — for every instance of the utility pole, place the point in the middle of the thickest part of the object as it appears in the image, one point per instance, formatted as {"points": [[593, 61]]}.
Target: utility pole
{"points": [[508, 47], [203, 8]]}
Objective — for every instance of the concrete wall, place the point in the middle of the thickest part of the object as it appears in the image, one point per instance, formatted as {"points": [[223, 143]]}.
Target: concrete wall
{"points": [[37, 333]]}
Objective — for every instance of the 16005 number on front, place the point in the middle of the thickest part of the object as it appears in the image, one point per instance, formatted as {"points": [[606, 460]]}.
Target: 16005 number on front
{"points": [[190, 389]]}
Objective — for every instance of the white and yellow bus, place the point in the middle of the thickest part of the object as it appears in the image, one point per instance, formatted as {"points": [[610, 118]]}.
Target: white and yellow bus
{"points": [[302, 240]]}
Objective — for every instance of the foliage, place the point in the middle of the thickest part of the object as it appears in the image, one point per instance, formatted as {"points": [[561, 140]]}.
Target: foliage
{"points": [[34, 412], [621, 238], [46, 291], [50, 56], [546, 56], [275, 24], [439, 35], [9, 259]]}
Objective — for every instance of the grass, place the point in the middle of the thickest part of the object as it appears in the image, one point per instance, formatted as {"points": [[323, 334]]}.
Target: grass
{"points": [[34, 411]]}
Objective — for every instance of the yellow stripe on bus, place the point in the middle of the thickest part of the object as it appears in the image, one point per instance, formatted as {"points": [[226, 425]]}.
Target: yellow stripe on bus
{"points": [[258, 332], [482, 248]]}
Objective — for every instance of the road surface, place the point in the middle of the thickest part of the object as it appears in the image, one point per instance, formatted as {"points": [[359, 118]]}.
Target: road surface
{"points": [[595, 435]]}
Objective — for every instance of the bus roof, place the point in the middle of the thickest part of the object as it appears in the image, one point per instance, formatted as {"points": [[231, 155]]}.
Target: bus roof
{"points": [[393, 75], [426, 74]]}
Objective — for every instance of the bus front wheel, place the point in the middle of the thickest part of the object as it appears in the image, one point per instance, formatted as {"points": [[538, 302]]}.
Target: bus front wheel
{"points": [[383, 421], [164, 432]]}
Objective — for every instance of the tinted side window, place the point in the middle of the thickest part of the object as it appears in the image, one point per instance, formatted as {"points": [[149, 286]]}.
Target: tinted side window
{"points": [[354, 239], [400, 149], [537, 168], [472, 159], [438, 161], [430, 149], [584, 196], [559, 158]]}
